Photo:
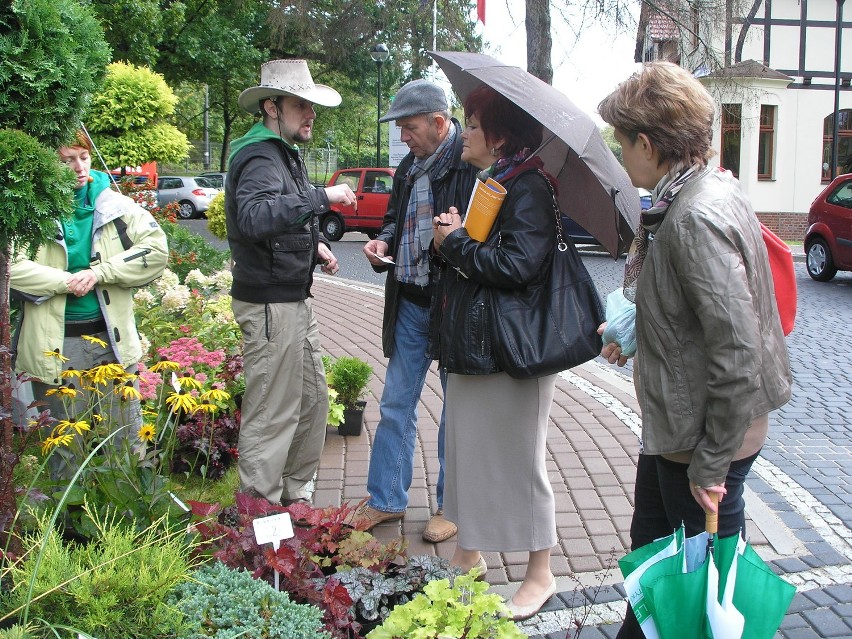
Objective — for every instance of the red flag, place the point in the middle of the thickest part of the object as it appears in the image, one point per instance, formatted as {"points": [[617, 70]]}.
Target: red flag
{"points": [[480, 10]]}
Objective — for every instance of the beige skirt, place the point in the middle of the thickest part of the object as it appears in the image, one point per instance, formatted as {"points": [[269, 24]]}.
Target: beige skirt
{"points": [[496, 487]]}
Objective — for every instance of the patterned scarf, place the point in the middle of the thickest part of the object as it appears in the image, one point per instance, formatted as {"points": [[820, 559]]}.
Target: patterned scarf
{"points": [[649, 221], [504, 166], [412, 259]]}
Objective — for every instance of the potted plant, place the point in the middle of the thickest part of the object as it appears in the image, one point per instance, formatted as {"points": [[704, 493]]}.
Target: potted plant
{"points": [[348, 376]]}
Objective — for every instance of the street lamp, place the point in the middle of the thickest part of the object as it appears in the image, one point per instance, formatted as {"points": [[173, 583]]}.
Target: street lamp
{"points": [[379, 53]]}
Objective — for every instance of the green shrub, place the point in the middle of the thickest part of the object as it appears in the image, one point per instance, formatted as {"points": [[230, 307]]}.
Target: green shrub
{"points": [[349, 377], [224, 603], [188, 251], [216, 217], [114, 587]]}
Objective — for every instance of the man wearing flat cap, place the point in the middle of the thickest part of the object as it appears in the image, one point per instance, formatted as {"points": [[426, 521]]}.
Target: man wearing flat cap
{"points": [[272, 214], [430, 179]]}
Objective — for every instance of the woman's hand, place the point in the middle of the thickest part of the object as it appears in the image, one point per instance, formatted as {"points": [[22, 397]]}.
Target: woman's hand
{"points": [[444, 224], [612, 352], [702, 496], [82, 282]]}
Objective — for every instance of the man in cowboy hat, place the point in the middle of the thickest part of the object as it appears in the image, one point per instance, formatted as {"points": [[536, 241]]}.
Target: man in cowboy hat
{"points": [[430, 179], [271, 213]]}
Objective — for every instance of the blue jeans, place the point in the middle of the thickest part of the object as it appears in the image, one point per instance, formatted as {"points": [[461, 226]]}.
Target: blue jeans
{"points": [[392, 458]]}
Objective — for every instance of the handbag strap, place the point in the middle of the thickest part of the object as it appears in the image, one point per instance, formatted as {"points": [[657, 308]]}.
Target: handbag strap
{"points": [[561, 245]]}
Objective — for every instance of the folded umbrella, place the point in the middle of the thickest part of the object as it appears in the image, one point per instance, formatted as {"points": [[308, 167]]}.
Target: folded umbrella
{"points": [[594, 190]]}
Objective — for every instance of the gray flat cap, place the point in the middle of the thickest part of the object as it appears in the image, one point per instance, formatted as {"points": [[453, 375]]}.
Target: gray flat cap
{"points": [[418, 96]]}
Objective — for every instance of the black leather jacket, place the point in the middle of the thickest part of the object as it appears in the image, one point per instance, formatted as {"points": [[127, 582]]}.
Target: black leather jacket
{"points": [[452, 190], [516, 254], [271, 214]]}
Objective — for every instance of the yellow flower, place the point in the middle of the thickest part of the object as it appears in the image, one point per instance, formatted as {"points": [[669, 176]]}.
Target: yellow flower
{"points": [[95, 340], [147, 412], [100, 374], [127, 392], [189, 382], [181, 401], [80, 426], [164, 365], [215, 395], [146, 433], [97, 417], [62, 391], [56, 354], [52, 442], [206, 407], [71, 372]]}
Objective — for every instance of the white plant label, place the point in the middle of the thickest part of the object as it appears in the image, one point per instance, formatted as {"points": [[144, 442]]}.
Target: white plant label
{"points": [[272, 529]]}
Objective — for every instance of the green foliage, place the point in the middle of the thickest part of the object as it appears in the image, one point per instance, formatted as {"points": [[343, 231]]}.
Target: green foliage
{"points": [[188, 251], [608, 134], [349, 377], [216, 217], [113, 587], [454, 608], [52, 57], [127, 118], [224, 603], [35, 189]]}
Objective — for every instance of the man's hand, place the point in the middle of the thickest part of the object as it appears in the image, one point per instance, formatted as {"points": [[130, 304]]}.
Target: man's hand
{"points": [[341, 194], [327, 259], [82, 282], [375, 250]]}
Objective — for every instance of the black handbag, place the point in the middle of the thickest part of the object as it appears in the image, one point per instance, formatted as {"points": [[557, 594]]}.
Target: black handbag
{"points": [[552, 325]]}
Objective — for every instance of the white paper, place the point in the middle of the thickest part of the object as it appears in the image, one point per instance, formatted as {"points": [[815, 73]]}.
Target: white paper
{"points": [[272, 529]]}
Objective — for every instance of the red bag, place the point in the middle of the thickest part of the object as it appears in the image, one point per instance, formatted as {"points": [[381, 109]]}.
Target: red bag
{"points": [[784, 277]]}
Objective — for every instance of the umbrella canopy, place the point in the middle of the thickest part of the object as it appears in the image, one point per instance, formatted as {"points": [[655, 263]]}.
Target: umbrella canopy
{"points": [[678, 591], [594, 189]]}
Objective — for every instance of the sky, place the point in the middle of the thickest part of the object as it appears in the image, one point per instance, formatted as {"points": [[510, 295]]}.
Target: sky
{"points": [[586, 67]]}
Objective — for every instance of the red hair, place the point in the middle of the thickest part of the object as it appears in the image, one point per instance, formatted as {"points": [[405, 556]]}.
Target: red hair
{"points": [[80, 140], [500, 118]]}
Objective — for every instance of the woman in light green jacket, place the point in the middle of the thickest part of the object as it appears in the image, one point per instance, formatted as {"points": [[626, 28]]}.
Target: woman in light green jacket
{"points": [[81, 284]]}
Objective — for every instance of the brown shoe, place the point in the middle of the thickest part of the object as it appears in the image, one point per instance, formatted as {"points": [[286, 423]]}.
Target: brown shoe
{"points": [[439, 528], [373, 517]]}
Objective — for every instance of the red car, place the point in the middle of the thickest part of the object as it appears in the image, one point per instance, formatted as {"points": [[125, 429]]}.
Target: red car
{"points": [[372, 189], [828, 241]]}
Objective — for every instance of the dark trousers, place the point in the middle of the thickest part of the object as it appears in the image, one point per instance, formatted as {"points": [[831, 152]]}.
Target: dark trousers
{"points": [[663, 500]]}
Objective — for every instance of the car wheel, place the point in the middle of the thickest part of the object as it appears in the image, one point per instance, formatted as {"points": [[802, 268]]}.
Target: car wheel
{"points": [[186, 210], [332, 227], [820, 265]]}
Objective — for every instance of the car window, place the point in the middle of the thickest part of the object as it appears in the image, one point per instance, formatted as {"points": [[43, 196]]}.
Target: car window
{"points": [[205, 183], [349, 177], [842, 195], [169, 183], [377, 182]]}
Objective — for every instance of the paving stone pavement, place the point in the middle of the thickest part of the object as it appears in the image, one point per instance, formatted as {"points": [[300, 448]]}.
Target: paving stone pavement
{"points": [[592, 448]]}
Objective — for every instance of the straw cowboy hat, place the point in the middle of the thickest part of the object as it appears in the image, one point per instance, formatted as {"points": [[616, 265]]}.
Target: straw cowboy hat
{"points": [[287, 77]]}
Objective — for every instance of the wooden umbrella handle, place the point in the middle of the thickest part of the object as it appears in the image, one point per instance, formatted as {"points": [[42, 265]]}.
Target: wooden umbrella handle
{"points": [[711, 519]]}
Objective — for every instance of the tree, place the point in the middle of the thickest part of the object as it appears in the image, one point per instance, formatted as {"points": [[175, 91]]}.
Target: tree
{"points": [[52, 56], [128, 118]]}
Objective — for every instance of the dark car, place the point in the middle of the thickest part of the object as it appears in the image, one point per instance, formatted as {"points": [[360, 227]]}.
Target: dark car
{"points": [[828, 241]]}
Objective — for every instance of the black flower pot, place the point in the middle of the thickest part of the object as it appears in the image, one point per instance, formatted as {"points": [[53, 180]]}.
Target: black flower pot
{"points": [[353, 420]]}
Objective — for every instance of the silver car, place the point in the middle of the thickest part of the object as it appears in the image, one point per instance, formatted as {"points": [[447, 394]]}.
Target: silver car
{"points": [[192, 193]]}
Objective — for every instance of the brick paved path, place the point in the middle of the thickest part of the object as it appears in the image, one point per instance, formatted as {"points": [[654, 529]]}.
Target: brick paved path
{"points": [[592, 447]]}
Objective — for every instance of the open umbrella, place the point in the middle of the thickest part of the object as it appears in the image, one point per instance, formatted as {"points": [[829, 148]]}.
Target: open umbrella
{"points": [[594, 189]]}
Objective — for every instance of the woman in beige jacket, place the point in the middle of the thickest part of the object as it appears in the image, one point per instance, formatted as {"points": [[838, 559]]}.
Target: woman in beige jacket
{"points": [[711, 360]]}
